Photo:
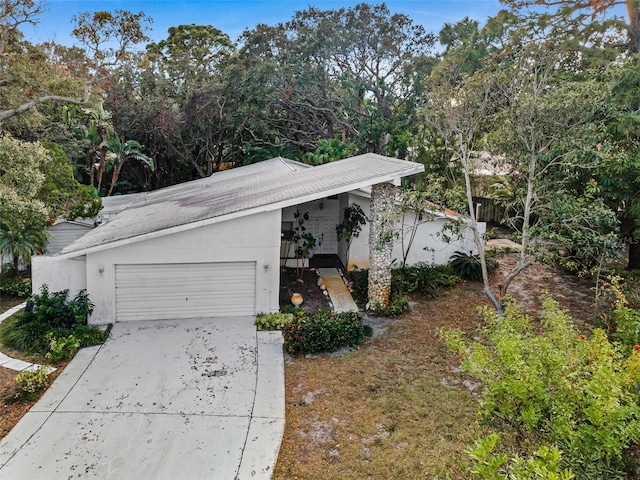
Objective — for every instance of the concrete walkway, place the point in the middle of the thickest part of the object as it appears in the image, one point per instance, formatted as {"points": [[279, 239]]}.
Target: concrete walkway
{"points": [[13, 363], [188, 399], [502, 243], [338, 292]]}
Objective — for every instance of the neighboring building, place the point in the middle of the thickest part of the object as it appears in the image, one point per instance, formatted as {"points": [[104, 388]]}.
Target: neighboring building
{"points": [[64, 232]]}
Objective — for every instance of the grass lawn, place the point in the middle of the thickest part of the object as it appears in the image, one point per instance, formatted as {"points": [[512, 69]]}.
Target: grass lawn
{"points": [[9, 301], [395, 408]]}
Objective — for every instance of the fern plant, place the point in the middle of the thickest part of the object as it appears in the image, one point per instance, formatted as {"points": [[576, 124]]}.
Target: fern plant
{"points": [[469, 267]]}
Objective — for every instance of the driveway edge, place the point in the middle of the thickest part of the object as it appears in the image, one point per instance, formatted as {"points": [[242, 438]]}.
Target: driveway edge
{"points": [[266, 426], [33, 420]]}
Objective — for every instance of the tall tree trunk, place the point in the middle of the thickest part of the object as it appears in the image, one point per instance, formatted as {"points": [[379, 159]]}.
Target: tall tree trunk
{"points": [[101, 164], [634, 254], [114, 178], [16, 265], [633, 9]]}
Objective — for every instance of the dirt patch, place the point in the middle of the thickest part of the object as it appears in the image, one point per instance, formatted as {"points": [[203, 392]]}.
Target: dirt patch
{"points": [[12, 412], [314, 298], [574, 293]]}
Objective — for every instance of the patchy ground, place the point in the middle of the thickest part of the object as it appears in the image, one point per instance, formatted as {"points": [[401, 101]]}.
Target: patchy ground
{"points": [[12, 411], [307, 286], [399, 407], [576, 294]]}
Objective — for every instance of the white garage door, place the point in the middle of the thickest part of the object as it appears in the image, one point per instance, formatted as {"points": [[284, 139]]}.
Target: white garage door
{"points": [[185, 290]]}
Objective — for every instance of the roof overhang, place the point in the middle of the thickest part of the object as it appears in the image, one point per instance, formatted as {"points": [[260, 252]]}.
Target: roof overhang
{"points": [[392, 178]]}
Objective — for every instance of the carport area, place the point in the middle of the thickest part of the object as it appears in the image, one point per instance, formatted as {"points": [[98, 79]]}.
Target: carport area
{"points": [[190, 399]]}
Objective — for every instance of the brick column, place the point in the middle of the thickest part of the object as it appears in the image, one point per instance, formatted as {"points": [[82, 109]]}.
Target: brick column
{"points": [[381, 244]]}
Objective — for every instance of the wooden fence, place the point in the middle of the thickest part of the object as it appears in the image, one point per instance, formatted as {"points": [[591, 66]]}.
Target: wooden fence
{"points": [[487, 210]]}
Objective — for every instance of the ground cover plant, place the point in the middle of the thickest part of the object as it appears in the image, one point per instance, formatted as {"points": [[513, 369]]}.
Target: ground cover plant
{"points": [[421, 278], [15, 287], [18, 392], [273, 321]]}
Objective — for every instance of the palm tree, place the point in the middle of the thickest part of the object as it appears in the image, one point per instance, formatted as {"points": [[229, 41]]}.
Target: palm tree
{"points": [[100, 130], [120, 153], [21, 242]]}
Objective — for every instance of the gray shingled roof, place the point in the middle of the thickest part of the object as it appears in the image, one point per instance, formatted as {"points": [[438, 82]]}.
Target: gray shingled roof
{"points": [[262, 186]]}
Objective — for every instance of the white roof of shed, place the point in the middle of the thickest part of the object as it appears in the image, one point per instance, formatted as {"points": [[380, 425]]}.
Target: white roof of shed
{"points": [[259, 187]]}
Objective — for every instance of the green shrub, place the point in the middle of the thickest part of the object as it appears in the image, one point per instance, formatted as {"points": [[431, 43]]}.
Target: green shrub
{"points": [[26, 337], [31, 381], [621, 319], [557, 387], [468, 266], [627, 331], [51, 317], [543, 464], [61, 348], [17, 287], [324, 331], [56, 311], [399, 304], [293, 310], [422, 278], [360, 286], [273, 321], [368, 330], [88, 335]]}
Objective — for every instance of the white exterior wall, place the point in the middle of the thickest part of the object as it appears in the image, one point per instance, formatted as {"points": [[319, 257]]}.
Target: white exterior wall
{"points": [[342, 244], [359, 250], [6, 258], [252, 238], [438, 251], [58, 274], [427, 236]]}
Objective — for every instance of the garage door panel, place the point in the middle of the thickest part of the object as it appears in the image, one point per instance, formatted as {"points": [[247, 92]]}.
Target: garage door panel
{"points": [[161, 291]]}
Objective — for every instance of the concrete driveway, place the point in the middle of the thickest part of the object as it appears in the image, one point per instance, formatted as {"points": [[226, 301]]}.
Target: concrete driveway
{"points": [[188, 399]]}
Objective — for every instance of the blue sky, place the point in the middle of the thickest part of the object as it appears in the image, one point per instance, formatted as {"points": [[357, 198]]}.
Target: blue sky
{"points": [[234, 16]]}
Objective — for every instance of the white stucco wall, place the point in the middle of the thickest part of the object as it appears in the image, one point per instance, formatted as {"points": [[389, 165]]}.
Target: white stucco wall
{"points": [[359, 250], [342, 244], [438, 251], [58, 274], [253, 238]]}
